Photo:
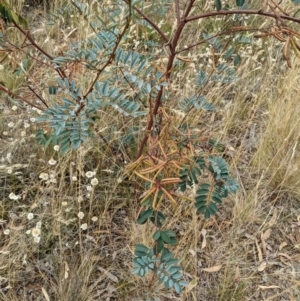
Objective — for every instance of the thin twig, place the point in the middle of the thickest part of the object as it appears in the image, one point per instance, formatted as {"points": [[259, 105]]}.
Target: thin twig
{"points": [[230, 31], [241, 12], [277, 6], [177, 11], [167, 74], [150, 22], [33, 43], [38, 96], [111, 57], [8, 92]]}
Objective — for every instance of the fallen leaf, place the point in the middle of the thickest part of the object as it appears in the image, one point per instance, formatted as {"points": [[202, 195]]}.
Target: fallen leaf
{"points": [[213, 269], [297, 235], [203, 232], [192, 252], [15, 228], [266, 234], [264, 246], [262, 266], [237, 273], [192, 285], [268, 287], [66, 270], [273, 220], [285, 255], [97, 258], [260, 257], [45, 294], [108, 274], [282, 245]]}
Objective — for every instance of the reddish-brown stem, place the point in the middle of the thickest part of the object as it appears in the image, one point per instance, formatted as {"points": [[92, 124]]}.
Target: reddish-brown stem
{"points": [[27, 53], [38, 96], [109, 61], [173, 45], [20, 98], [150, 122], [231, 31], [177, 11], [152, 23], [33, 43], [241, 12]]}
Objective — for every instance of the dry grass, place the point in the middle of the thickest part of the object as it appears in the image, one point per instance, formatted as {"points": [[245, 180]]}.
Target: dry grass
{"points": [[253, 242]]}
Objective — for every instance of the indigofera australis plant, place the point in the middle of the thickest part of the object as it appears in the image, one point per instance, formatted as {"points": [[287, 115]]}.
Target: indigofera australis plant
{"points": [[139, 85]]}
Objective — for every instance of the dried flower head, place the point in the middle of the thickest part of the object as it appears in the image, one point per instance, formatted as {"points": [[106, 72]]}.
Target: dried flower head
{"points": [[83, 226], [94, 181], [89, 174], [12, 196], [6, 232], [52, 161], [36, 232], [36, 239], [80, 215], [44, 176], [30, 216]]}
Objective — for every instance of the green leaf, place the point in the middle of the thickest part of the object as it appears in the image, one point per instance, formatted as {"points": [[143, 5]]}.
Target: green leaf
{"points": [[201, 79], [157, 235], [229, 53], [296, 1], [52, 90], [141, 248], [240, 3], [165, 237], [177, 288], [231, 185], [183, 283], [159, 245], [144, 215], [237, 60], [135, 271], [218, 5]]}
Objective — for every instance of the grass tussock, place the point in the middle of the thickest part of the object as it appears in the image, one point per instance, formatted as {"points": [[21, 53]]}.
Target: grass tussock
{"points": [[68, 224]]}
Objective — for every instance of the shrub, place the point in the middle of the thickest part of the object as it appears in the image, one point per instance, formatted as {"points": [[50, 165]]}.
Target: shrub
{"points": [[137, 79]]}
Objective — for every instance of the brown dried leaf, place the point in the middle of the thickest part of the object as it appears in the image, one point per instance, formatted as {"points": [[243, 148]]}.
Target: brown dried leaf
{"points": [[66, 270], [16, 228], [273, 220], [285, 255], [262, 266], [108, 274], [237, 273], [282, 245], [45, 294], [297, 235], [268, 287], [192, 252], [213, 269], [203, 232], [260, 257], [266, 234], [264, 246]]}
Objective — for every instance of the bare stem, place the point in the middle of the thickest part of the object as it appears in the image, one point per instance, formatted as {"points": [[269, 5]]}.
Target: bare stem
{"points": [[152, 23], [33, 43], [172, 45], [111, 57], [242, 12], [8, 92]]}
